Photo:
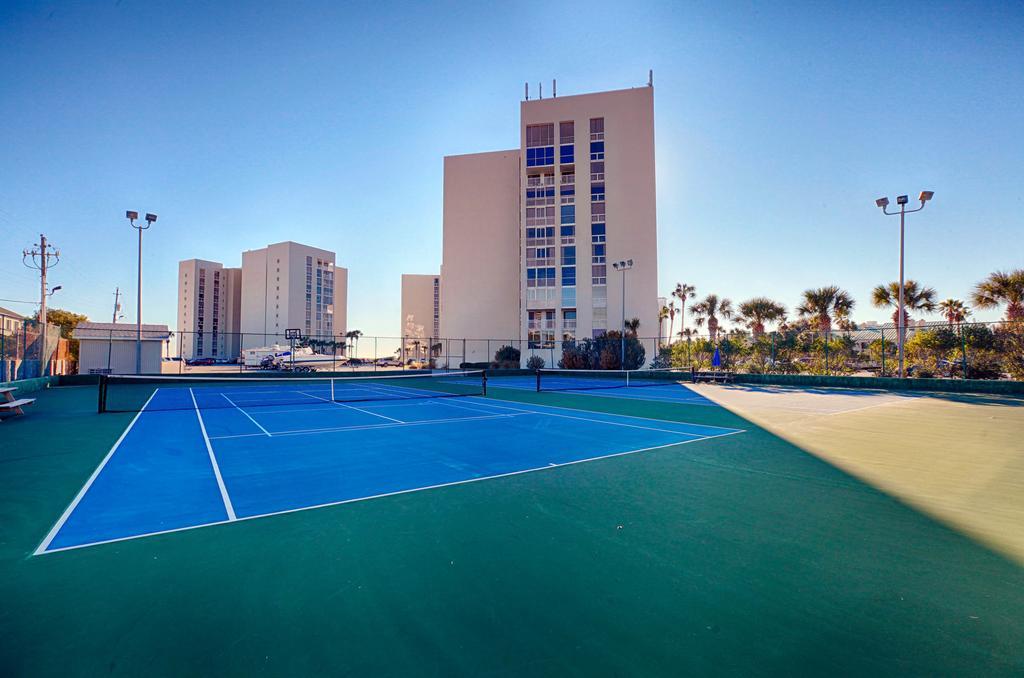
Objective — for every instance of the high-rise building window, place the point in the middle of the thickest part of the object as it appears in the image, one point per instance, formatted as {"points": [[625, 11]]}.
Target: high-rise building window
{"points": [[566, 132], [540, 277], [540, 135], [569, 324], [569, 256], [566, 154], [597, 129], [540, 145], [541, 329]]}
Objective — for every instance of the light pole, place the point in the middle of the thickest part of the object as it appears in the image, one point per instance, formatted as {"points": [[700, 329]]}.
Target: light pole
{"points": [[901, 317], [150, 218], [622, 267]]}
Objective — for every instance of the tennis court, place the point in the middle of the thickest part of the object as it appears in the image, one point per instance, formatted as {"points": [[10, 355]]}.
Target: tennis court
{"points": [[209, 451], [599, 529]]}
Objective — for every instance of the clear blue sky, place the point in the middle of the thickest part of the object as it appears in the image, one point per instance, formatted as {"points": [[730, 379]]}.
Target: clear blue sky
{"points": [[242, 124]]}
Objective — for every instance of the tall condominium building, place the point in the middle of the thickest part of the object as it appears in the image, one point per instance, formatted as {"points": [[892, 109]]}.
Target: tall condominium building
{"points": [[291, 286], [209, 308], [530, 234], [421, 307]]}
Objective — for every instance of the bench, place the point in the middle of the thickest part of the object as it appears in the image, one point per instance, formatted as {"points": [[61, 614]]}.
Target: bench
{"points": [[11, 405], [713, 377]]}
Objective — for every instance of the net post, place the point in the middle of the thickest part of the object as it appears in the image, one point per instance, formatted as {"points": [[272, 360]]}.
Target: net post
{"points": [[483, 384], [102, 403], [538, 381], [332, 390]]}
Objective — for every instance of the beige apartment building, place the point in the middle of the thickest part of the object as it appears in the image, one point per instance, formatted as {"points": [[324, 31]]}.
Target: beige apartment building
{"points": [[421, 309], [531, 234], [291, 286], [209, 310]]}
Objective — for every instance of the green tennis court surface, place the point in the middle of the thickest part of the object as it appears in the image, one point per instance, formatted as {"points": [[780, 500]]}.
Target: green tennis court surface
{"points": [[751, 554]]}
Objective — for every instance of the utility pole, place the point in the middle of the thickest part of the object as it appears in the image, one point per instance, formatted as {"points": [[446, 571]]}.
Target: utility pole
{"points": [[117, 303], [40, 260]]}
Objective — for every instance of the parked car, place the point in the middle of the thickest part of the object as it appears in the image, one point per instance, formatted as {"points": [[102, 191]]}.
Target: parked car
{"points": [[200, 361], [388, 362]]}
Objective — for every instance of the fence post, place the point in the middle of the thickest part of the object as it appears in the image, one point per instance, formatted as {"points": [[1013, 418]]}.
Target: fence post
{"points": [[826, 353], [883, 353], [963, 349]]}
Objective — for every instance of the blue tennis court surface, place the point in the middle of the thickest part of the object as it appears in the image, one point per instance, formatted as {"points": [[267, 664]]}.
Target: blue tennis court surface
{"points": [[669, 391], [238, 453]]}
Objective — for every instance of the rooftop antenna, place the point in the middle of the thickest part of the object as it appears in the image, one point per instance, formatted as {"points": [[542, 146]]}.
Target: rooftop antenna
{"points": [[527, 91], [650, 78], [554, 88], [540, 90]]}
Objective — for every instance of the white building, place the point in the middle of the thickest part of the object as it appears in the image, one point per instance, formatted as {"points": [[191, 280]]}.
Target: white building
{"points": [[421, 309], [110, 348], [530, 234], [209, 310], [291, 286]]}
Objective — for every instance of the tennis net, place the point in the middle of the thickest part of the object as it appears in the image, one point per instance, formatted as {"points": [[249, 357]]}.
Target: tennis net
{"points": [[582, 380], [131, 393]]}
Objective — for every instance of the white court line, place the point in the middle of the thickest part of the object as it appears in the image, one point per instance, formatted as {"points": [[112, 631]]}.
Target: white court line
{"points": [[366, 427], [615, 423], [547, 467], [624, 393], [865, 407], [246, 414], [485, 401], [88, 483], [353, 407], [213, 461]]}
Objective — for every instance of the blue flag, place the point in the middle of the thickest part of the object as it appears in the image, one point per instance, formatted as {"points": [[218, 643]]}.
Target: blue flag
{"points": [[717, 360]]}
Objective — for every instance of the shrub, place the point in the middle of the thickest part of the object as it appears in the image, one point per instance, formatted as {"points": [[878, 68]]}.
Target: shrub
{"points": [[602, 353], [535, 363], [506, 358]]}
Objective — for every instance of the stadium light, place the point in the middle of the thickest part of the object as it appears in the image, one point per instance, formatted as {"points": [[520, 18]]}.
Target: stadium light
{"points": [[132, 216], [622, 267], [901, 319]]}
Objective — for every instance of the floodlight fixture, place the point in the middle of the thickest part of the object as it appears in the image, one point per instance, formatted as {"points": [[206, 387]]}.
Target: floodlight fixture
{"points": [[902, 200], [131, 215], [150, 218], [926, 196], [882, 202]]}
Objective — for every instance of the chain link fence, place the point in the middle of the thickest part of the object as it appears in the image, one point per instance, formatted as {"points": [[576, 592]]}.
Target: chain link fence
{"points": [[23, 354], [938, 350]]}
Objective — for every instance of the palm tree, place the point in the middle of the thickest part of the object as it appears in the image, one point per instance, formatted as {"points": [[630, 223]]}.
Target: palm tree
{"points": [[915, 298], [354, 336], [821, 304], [760, 310], [708, 309], [632, 326], [682, 292], [954, 310], [662, 315], [1002, 287], [671, 319]]}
